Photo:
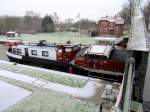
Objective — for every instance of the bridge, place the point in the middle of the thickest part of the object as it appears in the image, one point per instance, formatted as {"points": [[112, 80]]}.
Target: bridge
{"points": [[134, 76]]}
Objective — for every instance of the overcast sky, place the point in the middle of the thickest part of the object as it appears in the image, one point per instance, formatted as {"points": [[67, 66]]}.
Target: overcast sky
{"points": [[92, 9]]}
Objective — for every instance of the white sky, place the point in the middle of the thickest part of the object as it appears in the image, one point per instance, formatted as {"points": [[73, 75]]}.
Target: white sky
{"points": [[91, 9]]}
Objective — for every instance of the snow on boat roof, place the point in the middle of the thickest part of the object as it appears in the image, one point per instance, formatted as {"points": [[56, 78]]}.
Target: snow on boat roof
{"points": [[48, 45], [10, 32], [99, 50], [105, 38], [33, 46], [68, 44], [14, 41]]}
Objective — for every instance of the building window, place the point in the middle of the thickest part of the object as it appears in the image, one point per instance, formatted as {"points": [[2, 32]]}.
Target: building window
{"points": [[19, 51], [101, 29], [104, 23], [45, 53], [14, 50], [34, 52], [105, 30], [111, 24]]}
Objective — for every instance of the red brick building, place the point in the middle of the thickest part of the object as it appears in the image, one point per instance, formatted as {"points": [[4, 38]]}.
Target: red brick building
{"points": [[109, 25]]}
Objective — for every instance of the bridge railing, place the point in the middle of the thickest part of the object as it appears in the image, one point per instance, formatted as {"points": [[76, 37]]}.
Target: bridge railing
{"points": [[124, 98]]}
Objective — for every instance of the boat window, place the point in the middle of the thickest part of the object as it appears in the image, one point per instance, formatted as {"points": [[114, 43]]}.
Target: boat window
{"points": [[14, 50], [68, 49], [59, 50], [81, 52], [34, 52], [76, 48], [45, 53], [19, 51]]}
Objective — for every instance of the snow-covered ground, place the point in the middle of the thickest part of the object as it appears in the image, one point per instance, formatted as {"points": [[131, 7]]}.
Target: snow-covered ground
{"points": [[10, 95], [89, 90], [49, 75], [49, 71], [57, 37]]}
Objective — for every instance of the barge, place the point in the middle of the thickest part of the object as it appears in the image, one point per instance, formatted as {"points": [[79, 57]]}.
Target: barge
{"points": [[44, 54], [100, 61]]}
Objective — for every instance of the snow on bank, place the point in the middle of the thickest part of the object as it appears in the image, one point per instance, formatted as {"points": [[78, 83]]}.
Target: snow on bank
{"points": [[87, 91], [55, 78], [10, 95], [50, 71]]}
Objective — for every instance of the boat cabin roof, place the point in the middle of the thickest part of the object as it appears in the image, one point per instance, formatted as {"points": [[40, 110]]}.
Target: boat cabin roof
{"points": [[100, 50], [111, 39], [66, 45], [11, 32], [33, 46], [46, 46], [14, 41], [105, 40]]}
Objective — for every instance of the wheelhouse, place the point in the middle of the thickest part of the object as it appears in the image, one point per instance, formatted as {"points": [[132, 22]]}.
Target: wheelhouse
{"points": [[66, 52], [105, 40], [99, 57]]}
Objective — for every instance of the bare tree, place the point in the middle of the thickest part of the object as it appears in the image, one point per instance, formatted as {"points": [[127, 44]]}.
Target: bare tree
{"points": [[47, 24], [11, 22], [126, 14], [85, 24], [32, 21], [28, 20], [127, 11], [2, 26], [68, 23]]}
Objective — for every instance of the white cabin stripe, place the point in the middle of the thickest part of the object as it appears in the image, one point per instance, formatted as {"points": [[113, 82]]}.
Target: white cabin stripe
{"points": [[14, 55], [51, 53]]}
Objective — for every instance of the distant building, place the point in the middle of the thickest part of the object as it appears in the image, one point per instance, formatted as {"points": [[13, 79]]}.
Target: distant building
{"points": [[109, 25], [11, 34]]}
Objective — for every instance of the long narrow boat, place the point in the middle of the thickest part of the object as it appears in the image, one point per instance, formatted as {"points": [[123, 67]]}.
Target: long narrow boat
{"points": [[103, 61], [43, 53]]}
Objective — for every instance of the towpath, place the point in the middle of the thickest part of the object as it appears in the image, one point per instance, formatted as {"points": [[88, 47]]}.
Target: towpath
{"points": [[88, 92]]}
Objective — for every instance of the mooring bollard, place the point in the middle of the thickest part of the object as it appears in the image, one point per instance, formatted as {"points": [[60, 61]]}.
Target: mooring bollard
{"points": [[70, 70], [15, 63]]}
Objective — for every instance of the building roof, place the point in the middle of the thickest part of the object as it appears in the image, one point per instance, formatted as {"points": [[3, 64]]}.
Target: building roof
{"points": [[99, 50], [116, 19], [119, 20]]}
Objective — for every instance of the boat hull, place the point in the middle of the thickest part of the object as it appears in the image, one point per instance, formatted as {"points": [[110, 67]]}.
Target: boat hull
{"points": [[66, 67], [46, 63], [100, 74]]}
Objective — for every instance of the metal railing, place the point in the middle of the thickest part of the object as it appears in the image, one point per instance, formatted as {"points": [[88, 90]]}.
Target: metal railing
{"points": [[127, 86], [123, 102]]}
